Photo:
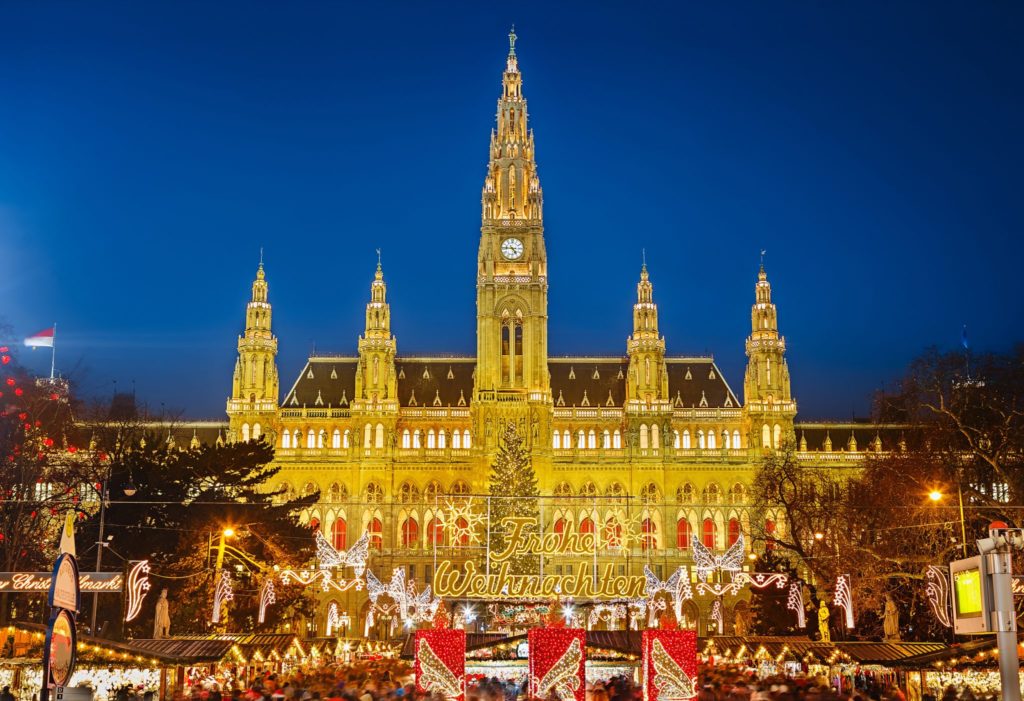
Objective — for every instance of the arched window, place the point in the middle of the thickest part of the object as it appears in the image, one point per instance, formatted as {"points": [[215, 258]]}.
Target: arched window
{"points": [[456, 439], [416, 439], [650, 494], [734, 530], [321, 438], [686, 440], [379, 442], [459, 488], [339, 534], [726, 441], [563, 490], [777, 437], [435, 532], [736, 440], [559, 529], [431, 439], [309, 489], [655, 437], [245, 432], [368, 436], [712, 494], [408, 494], [766, 437], [701, 443], [616, 491], [591, 439], [606, 439], [709, 534], [769, 529], [337, 493], [649, 531], [286, 439], [406, 439], [466, 442], [374, 493], [256, 431], [712, 440], [587, 525], [683, 534], [375, 529], [556, 440], [310, 439], [345, 439], [738, 494], [581, 440], [588, 489], [433, 492], [613, 532], [461, 540], [644, 437], [566, 440], [441, 442], [336, 439], [617, 440], [410, 532], [676, 443], [684, 493]]}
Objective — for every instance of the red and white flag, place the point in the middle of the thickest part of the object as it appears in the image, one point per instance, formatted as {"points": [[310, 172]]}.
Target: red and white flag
{"points": [[42, 339]]}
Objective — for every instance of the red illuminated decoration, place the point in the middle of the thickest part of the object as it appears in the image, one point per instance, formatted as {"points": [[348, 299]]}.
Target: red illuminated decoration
{"points": [[441, 663], [557, 658], [669, 664]]}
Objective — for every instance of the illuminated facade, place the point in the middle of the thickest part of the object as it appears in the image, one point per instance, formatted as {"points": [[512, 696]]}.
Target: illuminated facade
{"points": [[658, 441]]}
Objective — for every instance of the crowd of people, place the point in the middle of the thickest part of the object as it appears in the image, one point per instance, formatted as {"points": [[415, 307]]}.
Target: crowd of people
{"points": [[392, 680]]}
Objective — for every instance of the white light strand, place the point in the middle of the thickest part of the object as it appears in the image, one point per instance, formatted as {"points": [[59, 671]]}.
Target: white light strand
{"points": [[136, 588], [267, 596], [795, 603], [763, 580], [937, 592], [716, 614], [844, 597], [224, 592]]}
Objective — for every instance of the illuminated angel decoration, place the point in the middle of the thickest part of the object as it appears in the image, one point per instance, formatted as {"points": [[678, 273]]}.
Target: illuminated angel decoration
{"points": [[355, 557], [677, 586], [707, 562], [435, 677], [563, 679], [671, 681], [413, 606]]}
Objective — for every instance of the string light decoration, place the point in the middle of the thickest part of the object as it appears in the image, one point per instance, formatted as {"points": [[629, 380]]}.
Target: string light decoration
{"points": [[327, 582], [461, 521], [136, 587], [333, 619], [844, 597], [612, 613], [669, 665], [556, 663], [716, 615], [719, 589], [224, 592], [355, 557], [706, 562], [412, 607], [440, 664], [795, 603], [763, 580], [267, 597], [936, 590]]}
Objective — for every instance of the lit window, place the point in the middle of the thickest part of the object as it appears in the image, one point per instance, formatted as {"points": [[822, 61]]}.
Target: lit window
{"points": [[655, 437], [245, 432], [734, 530], [379, 443], [339, 534], [256, 431], [376, 531], [410, 532], [592, 439], [566, 441], [367, 436], [336, 439], [700, 439], [606, 439], [736, 440], [310, 439], [556, 440], [712, 442], [344, 439], [617, 440], [676, 443], [709, 534], [456, 439], [686, 440], [581, 442], [766, 437], [777, 437], [406, 439], [416, 439], [644, 437], [683, 534], [286, 439], [431, 439], [466, 442], [726, 441], [441, 443]]}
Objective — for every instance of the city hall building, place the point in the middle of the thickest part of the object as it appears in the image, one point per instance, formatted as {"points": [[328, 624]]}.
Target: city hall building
{"points": [[647, 440]]}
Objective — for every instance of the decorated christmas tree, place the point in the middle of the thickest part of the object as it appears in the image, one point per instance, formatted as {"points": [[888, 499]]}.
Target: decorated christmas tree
{"points": [[514, 494]]}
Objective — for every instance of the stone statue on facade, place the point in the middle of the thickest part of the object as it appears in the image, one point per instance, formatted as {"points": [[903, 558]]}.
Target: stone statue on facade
{"points": [[162, 618], [823, 617], [891, 619]]}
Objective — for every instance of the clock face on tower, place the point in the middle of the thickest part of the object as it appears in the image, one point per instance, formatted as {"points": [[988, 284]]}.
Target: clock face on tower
{"points": [[512, 249]]}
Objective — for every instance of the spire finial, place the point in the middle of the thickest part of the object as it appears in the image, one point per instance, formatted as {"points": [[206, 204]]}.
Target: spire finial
{"points": [[643, 255], [261, 256], [512, 41], [763, 252], [380, 272], [259, 269]]}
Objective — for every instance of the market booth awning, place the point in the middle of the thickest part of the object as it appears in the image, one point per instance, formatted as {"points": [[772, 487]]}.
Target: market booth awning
{"points": [[27, 640]]}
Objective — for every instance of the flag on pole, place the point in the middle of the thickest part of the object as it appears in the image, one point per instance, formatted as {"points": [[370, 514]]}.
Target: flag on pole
{"points": [[42, 339]]}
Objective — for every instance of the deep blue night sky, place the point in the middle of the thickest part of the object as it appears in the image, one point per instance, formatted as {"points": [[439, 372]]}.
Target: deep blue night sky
{"points": [[147, 152]]}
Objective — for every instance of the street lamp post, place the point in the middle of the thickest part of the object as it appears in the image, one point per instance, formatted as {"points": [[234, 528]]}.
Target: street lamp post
{"points": [[129, 490]]}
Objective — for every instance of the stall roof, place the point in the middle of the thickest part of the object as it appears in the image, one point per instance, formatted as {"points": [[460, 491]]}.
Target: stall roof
{"points": [[887, 653], [185, 650]]}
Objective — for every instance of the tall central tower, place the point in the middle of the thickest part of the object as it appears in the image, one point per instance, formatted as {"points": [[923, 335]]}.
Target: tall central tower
{"points": [[512, 285]]}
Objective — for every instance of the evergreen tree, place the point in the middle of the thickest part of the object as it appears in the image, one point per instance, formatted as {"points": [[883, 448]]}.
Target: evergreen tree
{"points": [[514, 494], [769, 614]]}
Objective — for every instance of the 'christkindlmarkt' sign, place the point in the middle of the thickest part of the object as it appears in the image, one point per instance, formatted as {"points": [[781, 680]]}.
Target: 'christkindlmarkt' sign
{"points": [[463, 581], [89, 582]]}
